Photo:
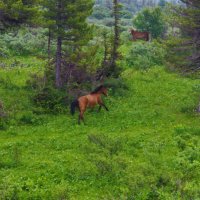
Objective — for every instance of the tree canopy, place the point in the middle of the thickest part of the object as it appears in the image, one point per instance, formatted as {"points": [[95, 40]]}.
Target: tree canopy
{"points": [[151, 20], [15, 12]]}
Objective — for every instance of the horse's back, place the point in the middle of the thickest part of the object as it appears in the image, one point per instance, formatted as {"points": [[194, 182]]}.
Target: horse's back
{"points": [[140, 35], [89, 100]]}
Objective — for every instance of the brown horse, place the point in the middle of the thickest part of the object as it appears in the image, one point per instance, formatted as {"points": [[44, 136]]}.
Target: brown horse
{"points": [[89, 100], [140, 35]]}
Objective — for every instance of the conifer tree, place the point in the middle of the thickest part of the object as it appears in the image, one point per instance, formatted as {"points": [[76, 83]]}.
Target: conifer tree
{"points": [[66, 19], [187, 41], [151, 20], [116, 39], [16, 12], [190, 26]]}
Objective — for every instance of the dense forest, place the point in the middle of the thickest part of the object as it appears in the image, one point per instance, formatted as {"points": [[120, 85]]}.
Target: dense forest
{"points": [[128, 70]]}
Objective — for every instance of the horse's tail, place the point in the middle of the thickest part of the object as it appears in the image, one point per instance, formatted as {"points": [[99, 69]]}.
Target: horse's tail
{"points": [[74, 104]]}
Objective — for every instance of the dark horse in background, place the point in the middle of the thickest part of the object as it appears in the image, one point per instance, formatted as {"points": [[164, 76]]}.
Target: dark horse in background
{"points": [[89, 100], [140, 35]]}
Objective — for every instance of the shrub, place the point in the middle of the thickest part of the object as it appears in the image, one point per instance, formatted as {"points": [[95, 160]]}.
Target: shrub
{"points": [[36, 81], [3, 118], [126, 14], [51, 100], [24, 42], [145, 55], [101, 12], [151, 20], [116, 86], [30, 118], [3, 124], [108, 22]]}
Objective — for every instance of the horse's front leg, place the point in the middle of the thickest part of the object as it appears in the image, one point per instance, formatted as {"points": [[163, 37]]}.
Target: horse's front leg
{"points": [[99, 109], [102, 104], [105, 107]]}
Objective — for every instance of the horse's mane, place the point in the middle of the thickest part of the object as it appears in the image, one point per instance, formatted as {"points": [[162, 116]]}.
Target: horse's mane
{"points": [[97, 89]]}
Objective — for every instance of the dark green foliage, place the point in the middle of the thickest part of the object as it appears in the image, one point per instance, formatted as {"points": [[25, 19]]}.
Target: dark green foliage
{"points": [[100, 12], [3, 117], [67, 21], [13, 13], [51, 100], [30, 119], [145, 55], [116, 86], [186, 45], [108, 22], [3, 123], [126, 14], [151, 20]]}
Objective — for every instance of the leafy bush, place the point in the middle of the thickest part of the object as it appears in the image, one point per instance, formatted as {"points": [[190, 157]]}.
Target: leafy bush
{"points": [[51, 100], [126, 14], [101, 12], [3, 117], [30, 118], [35, 81], [23, 42], [108, 22], [145, 55], [150, 19], [3, 124], [116, 86]]}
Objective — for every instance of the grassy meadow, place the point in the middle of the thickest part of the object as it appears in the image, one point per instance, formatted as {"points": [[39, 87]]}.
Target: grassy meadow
{"points": [[145, 147]]}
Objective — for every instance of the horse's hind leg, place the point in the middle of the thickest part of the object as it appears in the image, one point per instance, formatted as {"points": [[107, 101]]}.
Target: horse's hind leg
{"points": [[99, 109], [81, 118]]}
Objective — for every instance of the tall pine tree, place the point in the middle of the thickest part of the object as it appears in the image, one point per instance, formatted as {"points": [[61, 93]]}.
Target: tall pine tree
{"points": [[190, 26], [16, 12], [66, 19], [116, 39], [185, 48]]}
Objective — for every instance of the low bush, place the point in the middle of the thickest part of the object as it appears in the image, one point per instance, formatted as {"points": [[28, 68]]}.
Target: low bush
{"points": [[143, 55], [3, 123], [116, 86], [101, 12], [51, 100], [3, 118], [23, 42], [30, 118]]}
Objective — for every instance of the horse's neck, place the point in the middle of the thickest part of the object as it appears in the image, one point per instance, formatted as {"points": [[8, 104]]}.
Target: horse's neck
{"points": [[97, 95]]}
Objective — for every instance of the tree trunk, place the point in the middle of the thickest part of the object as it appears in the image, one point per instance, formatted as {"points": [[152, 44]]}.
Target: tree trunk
{"points": [[116, 34], [49, 43], [58, 62], [105, 48], [59, 46]]}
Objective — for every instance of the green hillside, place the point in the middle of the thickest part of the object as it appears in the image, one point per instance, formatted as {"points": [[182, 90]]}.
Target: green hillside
{"points": [[145, 147]]}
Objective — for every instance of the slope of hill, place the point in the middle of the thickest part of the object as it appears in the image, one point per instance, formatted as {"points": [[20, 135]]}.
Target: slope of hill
{"points": [[145, 147]]}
